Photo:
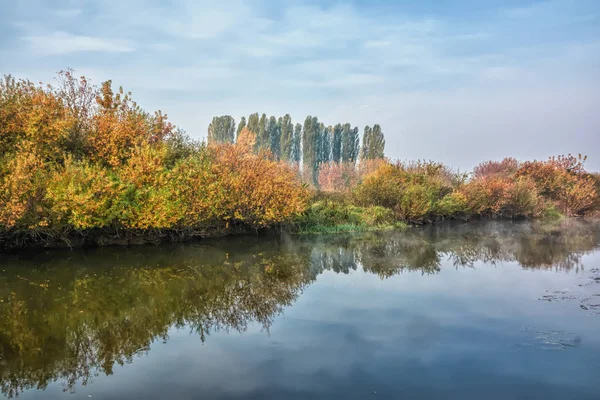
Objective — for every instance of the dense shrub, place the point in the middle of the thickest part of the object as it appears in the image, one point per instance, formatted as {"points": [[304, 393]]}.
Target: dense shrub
{"points": [[410, 190], [563, 181], [500, 196], [506, 167], [77, 160]]}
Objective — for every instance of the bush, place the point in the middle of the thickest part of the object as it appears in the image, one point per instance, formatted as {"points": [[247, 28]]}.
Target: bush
{"points": [[411, 191], [452, 205]]}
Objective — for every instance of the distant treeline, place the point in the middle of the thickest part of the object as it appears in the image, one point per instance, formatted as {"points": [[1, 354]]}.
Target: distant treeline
{"points": [[313, 143]]}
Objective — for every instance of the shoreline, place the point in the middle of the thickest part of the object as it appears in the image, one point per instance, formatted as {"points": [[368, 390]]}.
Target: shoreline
{"points": [[130, 238]]}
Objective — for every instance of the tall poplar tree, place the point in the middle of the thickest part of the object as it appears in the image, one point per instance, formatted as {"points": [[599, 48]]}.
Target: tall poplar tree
{"points": [[310, 140], [354, 144], [336, 144], [253, 120], [274, 131], [377, 143], [326, 142], [221, 130], [366, 143], [262, 138], [287, 137], [241, 126], [346, 143], [297, 144]]}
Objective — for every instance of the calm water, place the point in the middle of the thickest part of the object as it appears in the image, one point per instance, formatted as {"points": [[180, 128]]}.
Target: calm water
{"points": [[490, 310]]}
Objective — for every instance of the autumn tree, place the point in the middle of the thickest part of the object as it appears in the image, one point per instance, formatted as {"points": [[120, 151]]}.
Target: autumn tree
{"points": [[119, 126]]}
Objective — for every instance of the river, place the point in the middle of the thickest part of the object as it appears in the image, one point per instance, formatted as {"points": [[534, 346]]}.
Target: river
{"points": [[494, 310]]}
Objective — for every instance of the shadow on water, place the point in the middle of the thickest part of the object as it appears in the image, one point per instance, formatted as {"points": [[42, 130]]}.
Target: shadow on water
{"points": [[69, 316]]}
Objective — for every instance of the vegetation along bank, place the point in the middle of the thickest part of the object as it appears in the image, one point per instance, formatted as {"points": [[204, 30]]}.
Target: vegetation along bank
{"points": [[85, 165]]}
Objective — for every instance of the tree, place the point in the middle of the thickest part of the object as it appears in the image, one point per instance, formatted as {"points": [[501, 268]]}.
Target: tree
{"points": [[366, 141], [262, 138], [310, 140], [297, 144], [253, 123], [221, 130], [326, 136], [241, 126], [336, 145], [274, 130], [350, 145], [354, 145], [287, 137], [377, 143]]}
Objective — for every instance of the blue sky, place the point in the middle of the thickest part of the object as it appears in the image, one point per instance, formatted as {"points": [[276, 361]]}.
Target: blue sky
{"points": [[457, 81]]}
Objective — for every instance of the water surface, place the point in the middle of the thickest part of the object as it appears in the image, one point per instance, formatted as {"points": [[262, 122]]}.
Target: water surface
{"points": [[493, 310]]}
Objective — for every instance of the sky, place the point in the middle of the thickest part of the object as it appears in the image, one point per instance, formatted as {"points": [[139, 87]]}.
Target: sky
{"points": [[458, 81]]}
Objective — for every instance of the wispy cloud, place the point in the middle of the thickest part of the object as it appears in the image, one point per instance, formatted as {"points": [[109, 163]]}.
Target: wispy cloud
{"points": [[60, 43], [413, 64], [67, 12]]}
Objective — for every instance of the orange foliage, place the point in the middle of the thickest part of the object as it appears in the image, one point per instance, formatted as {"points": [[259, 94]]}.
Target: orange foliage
{"points": [[253, 189], [119, 126], [506, 167], [337, 177], [22, 192], [501, 196], [564, 181]]}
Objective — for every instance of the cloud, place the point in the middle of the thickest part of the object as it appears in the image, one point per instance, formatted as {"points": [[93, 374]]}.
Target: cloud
{"points": [[426, 73], [67, 12], [61, 43]]}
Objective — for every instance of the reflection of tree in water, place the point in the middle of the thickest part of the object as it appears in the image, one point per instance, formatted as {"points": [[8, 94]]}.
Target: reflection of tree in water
{"points": [[67, 317], [72, 318], [532, 245]]}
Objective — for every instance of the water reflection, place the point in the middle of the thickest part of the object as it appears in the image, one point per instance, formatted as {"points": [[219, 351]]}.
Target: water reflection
{"points": [[68, 316]]}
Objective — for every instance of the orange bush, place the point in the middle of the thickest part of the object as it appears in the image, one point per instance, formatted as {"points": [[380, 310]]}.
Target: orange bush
{"points": [[22, 193], [506, 167], [337, 177], [564, 181]]}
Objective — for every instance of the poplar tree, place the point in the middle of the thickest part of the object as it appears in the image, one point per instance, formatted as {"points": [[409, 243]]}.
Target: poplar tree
{"points": [[354, 144], [297, 144], [346, 145], [310, 140], [377, 143], [350, 145], [221, 129], [326, 142], [262, 138], [287, 137], [241, 126], [366, 143], [273, 128], [253, 123], [336, 144]]}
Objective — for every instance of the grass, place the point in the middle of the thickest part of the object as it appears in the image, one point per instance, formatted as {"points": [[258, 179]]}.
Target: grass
{"points": [[332, 216]]}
